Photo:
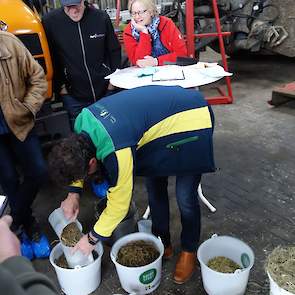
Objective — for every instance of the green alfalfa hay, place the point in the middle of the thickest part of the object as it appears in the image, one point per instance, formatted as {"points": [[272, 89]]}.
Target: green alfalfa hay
{"points": [[280, 265]]}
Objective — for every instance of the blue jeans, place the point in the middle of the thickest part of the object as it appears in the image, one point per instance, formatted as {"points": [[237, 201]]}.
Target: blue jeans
{"points": [[188, 204], [21, 188], [74, 106]]}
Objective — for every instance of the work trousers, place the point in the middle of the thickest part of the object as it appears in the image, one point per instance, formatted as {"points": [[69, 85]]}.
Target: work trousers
{"points": [[188, 204], [74, 106], [22, 171]]}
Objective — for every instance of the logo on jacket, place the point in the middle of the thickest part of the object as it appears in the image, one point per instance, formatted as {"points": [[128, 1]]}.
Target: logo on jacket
{"points": [[96, 36], [104, 113]]}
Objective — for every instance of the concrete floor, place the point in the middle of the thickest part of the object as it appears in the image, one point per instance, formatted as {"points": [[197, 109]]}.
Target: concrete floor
{"points": [[253, 190]]}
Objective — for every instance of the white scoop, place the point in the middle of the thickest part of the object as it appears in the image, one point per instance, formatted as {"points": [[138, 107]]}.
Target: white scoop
{"points": [[58, 221]]}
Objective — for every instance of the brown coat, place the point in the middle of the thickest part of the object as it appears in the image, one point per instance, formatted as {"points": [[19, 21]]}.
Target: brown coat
{"points": [[22, 85]]}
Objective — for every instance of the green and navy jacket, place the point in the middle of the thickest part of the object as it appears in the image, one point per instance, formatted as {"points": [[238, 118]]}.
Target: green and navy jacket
{"points": [[147, 131]]}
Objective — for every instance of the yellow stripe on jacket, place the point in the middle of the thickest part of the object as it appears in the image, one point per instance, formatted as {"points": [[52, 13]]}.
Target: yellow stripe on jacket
{"points": [[119, 197], [195, 119], [78, 183]]}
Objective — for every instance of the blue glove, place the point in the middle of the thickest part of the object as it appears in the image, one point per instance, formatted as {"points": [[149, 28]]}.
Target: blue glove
{"points": [[100, 189], [41, 248]]}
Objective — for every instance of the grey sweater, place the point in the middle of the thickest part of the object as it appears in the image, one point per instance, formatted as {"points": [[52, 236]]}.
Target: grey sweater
{"points": [[18, 277]]}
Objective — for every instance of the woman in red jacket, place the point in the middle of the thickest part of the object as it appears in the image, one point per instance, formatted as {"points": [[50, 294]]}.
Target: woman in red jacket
{"points": [[150, 39]]}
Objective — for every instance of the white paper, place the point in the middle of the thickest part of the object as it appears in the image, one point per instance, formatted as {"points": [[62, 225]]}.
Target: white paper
{"points": [[202, 65], [214, 72], [148, 71], [169, 73], [112, 74]]}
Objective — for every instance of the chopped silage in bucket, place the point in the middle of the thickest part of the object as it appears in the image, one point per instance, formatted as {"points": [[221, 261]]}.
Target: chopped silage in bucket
{"points": [[223, 264], [280, 266], [141, 279], [137, 253]]}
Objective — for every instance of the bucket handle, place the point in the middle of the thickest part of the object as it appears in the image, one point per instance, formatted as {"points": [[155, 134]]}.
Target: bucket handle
{"points": [[204, 200]]}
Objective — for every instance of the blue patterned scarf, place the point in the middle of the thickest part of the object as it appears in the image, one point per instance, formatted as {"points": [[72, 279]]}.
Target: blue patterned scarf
{"points": [[158, 48]]}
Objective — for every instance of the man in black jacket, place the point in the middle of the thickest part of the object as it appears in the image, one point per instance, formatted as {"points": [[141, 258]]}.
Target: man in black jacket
{"points": [[84, 49]]}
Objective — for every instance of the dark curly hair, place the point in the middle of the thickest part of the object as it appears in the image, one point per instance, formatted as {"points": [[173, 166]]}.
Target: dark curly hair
{"points": [[68, 160]]}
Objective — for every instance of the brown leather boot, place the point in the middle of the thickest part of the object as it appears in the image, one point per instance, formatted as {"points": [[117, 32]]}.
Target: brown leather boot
{"points": [[168, 252], [185, 267]]}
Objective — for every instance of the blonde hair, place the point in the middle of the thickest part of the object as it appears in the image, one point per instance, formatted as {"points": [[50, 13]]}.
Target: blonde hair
{"points": [[148, 4]]}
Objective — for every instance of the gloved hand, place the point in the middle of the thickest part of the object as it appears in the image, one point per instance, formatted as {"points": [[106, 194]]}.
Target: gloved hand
{"points": [[100, 189]]}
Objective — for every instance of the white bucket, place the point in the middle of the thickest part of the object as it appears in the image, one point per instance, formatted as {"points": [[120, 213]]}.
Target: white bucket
{"points": [[216, 283], [78, 281], [142, 279], [275, 289]]}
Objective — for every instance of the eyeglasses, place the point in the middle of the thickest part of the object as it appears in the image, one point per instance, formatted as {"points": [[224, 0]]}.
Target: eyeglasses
{"points": [[3, 26], [139, 13]]}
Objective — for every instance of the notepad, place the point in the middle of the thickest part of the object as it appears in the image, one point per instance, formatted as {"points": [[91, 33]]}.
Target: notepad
{"points": [[168, 73]]}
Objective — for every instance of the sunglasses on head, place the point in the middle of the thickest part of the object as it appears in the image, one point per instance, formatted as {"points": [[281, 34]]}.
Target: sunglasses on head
{"points": [[3, 26]]}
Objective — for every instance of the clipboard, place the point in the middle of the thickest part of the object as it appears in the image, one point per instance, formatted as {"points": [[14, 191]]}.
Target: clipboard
{"points": [[168, 75]]}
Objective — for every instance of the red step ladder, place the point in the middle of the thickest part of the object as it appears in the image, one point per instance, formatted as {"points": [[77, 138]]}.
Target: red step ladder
{"points": [[223, 98]]}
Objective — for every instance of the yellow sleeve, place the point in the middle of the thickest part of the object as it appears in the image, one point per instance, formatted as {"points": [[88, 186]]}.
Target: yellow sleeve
{"points": [[119, 197]]}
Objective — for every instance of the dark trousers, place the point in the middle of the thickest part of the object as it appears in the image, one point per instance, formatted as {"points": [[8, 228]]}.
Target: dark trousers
{"points": [[188, 204], [74, 106], [21, 188]]}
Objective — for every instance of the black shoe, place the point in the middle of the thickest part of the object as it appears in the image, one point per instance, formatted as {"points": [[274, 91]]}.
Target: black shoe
{"points": [[32, 229]]}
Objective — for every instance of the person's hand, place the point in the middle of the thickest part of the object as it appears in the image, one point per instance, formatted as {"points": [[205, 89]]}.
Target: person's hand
{"points": [[70, 206], [9, 243], [84, 246], [138, 27], [148, 61], [63, 90], [111, 87]]}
